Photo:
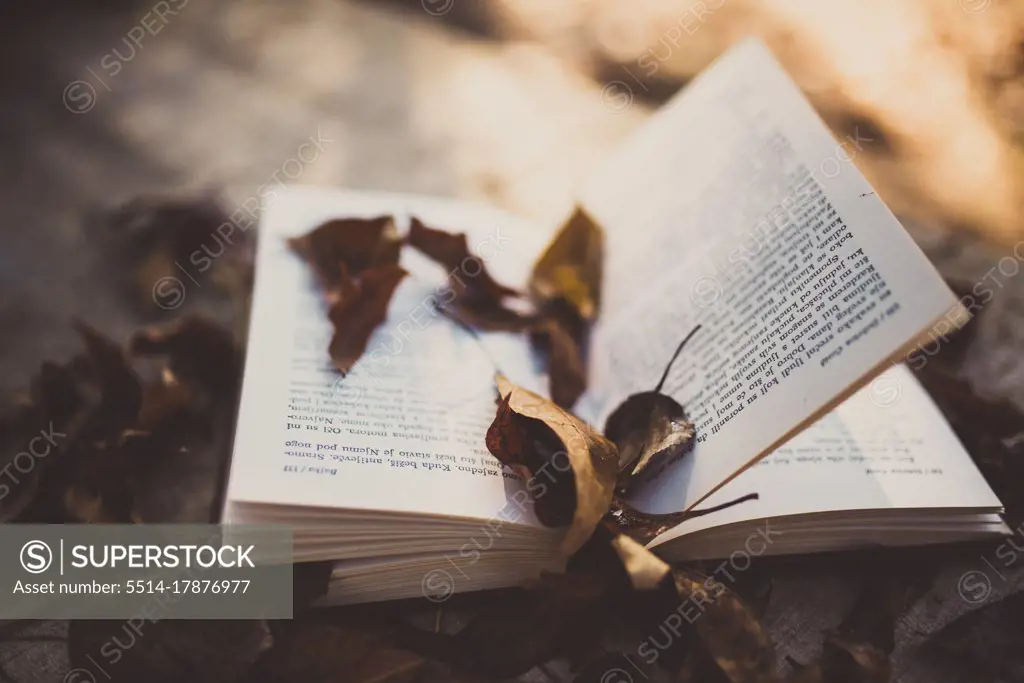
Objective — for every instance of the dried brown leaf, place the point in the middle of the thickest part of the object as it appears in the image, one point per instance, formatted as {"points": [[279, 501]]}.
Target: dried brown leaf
{"points": [[473, 297], [200, 354], [153, 235], [651, 431], [521, 435], [571, 267], [345, 247], [728, 627], [646, 570], [566, 368], [104, 367], [452, 251], [158, 650], [359, 311]]}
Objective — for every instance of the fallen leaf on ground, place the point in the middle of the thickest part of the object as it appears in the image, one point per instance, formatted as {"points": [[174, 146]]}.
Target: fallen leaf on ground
{"points": [[199, 353], [160, 650], [159, 236], [728, 627], [308, 651], [19, 425], [573, 466], [105, 366]]}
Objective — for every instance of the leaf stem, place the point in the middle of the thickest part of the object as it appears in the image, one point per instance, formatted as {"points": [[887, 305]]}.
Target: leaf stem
{"points": [[679, 349]]}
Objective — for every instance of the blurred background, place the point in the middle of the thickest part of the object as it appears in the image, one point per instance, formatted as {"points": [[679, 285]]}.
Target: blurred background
{"points": [[506, 101]]}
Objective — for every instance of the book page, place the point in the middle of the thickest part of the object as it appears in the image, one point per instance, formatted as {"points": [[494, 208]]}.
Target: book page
{"points": [[403, 432], [887, 447], [735, 209]]}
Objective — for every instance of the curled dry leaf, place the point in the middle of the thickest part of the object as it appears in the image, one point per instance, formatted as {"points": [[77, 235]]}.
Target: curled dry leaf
{"points": [[343, 248], [359, 311], [573, 466], [474, 297]]}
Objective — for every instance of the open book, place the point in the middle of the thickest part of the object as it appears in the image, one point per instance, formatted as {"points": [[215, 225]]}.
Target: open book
{"points": [[734, 208]]}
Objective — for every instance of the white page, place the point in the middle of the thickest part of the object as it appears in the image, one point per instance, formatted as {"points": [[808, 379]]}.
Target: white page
{"points": [[735, 208], [424, 387], [887, 447]]}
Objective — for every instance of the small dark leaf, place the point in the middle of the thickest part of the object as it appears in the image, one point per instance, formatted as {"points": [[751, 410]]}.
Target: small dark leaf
{"points": [[651, 431]]}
